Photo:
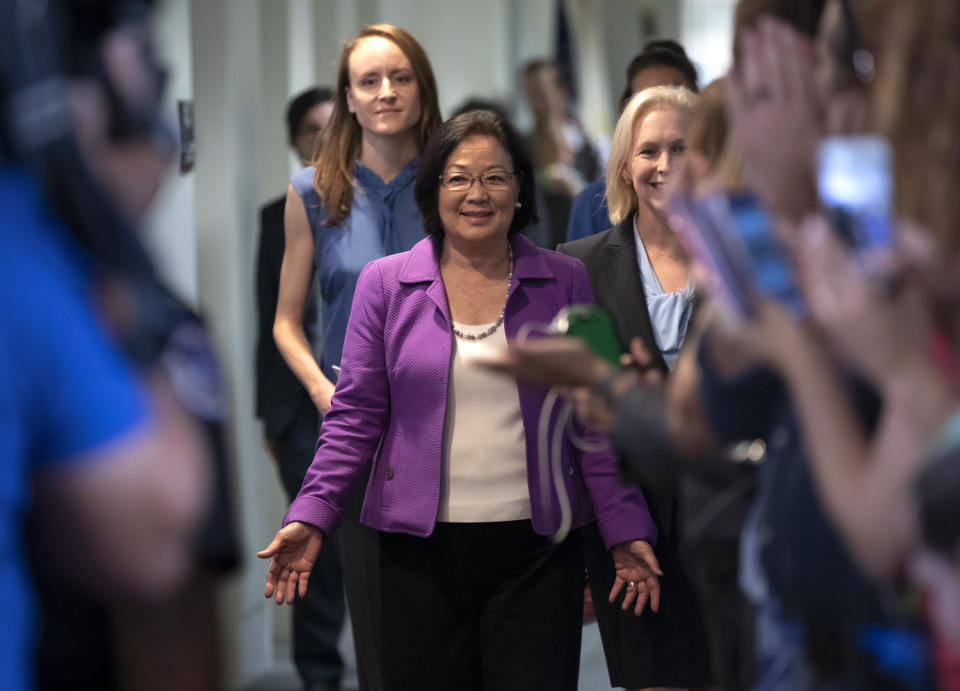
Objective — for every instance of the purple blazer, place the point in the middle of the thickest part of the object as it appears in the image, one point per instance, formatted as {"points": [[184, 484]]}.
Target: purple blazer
{"points": [[391, 398]]}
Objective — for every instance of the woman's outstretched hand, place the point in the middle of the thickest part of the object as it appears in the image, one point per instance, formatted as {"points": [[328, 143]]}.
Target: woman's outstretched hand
{"points": [[293, 552], [637, 572]]}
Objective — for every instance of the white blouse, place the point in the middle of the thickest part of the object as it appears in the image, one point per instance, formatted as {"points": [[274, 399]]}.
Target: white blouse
{"points": [[484, 449]]}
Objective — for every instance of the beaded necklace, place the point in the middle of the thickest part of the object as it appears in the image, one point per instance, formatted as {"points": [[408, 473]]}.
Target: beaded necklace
{"points": [[496, 325]]}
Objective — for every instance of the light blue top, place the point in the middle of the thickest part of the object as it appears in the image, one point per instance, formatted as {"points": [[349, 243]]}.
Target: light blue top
{"points": [[383, 220], [669, 312]]}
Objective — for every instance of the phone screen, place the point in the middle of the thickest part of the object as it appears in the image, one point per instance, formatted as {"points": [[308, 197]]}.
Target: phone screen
{"points": [[855, 184], [771, 270]]}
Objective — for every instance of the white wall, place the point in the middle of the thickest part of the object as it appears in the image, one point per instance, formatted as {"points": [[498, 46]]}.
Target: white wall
{"points": [[226, 60], [707, 32], [276, 69], [466, 43], [170, 222]]}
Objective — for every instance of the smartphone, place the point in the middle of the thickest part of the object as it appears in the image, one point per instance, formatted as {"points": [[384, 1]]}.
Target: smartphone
{"points": [[855, 184], [593, 325], [731, 237], [771, 269]]}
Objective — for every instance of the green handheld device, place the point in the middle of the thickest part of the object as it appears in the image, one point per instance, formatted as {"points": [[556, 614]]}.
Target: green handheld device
{"points": [[592, 324]]}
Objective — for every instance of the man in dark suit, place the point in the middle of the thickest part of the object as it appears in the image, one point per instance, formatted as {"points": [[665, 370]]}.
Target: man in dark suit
{"points": [[291, 421]]}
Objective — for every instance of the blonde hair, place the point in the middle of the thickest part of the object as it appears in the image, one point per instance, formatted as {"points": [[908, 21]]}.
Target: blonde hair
{"points": [[621, 198]]}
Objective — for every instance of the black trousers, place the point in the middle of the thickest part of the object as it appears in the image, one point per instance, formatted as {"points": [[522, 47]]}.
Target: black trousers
{"points": [[668, 648], [481, 606], [318, 617], [360, 555]]}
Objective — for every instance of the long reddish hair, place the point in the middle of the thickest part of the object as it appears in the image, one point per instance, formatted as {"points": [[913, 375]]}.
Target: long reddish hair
{"points": [[340, 142]]}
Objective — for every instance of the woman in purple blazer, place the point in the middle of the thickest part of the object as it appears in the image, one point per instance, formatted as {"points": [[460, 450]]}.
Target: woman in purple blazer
{"points": [[474, 594]]}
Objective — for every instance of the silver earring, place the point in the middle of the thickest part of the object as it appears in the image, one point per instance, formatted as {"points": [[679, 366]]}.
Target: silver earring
{"points": [[517, 204]]}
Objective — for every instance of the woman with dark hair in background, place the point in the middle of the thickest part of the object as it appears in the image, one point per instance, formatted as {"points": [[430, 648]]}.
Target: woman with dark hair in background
{"points": [[661, 63], [353, 206], [475, 595]]}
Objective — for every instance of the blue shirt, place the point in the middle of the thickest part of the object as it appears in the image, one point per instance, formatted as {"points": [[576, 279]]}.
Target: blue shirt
{"points": [[669, 312], [383, 220], [588, 212], [66, 390]]}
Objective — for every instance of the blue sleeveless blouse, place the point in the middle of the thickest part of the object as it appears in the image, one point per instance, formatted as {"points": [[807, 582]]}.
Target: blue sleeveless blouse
{"points": [[383, 220]]}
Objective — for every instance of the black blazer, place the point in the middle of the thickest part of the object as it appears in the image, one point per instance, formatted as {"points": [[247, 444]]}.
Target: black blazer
{"points": [[281, 398], [611, 261], [668, 649]]}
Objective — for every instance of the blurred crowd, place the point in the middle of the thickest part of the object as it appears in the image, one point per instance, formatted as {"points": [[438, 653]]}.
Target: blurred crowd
{"points": [[699, 383], [811, 208]]}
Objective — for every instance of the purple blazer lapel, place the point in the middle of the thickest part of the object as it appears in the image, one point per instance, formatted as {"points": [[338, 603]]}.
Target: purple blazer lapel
{"points": [[522, 306], [422, 266]]}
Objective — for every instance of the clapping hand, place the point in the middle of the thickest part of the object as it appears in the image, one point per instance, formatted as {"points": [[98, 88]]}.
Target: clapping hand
{"points": [[775, 116]]}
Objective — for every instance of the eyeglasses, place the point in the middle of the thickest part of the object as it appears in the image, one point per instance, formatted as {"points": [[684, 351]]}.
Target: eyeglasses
{"points": [[495, 181]]}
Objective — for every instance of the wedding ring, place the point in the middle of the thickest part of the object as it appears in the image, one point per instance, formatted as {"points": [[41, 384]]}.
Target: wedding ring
{"points": [[631, 584]]}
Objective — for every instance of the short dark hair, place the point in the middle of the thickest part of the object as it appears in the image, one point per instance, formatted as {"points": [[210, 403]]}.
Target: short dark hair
{"points": [[661, 52], [447, 138], [299, 106]]}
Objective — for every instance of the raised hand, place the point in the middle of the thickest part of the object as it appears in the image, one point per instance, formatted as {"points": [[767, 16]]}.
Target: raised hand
{"points": [[293, 553], [637, 575], [776, 117], [879, 332]]}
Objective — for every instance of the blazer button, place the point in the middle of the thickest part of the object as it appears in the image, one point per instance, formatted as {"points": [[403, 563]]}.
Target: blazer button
{"points": [[570, 470], [389, 473]]}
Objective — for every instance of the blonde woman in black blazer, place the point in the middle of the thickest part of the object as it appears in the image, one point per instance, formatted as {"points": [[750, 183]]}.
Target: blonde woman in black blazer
{"points": [[669, 647]]}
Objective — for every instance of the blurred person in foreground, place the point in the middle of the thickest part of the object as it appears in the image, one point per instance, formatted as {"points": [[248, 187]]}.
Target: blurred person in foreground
{"points": [[641, 276], [105, 440], [898, 333], [845, 395], [475, 594], [662, 62], [353, 205], [808, 616], [290, 418]]}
